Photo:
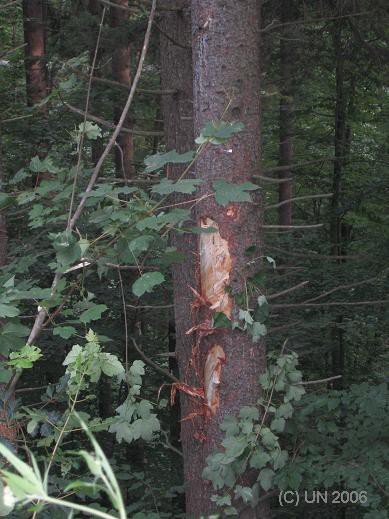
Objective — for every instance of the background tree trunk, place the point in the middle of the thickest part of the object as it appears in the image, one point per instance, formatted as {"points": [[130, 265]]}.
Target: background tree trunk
{"points": [[226, 73], [121, 71], [287, 67], [34, 35], [177, 112]]}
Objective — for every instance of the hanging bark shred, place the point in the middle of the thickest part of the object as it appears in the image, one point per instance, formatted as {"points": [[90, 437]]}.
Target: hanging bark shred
{"points": [[212, 377], [215, 268]]}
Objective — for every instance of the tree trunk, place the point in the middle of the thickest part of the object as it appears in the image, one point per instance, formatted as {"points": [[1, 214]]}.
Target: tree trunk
{"points": [[226, 73], [34, 35], [34, 12], [287, 67], [97, 145], [8, 429], [121, 71], [337, 352], [177, 112], [3, 222]]}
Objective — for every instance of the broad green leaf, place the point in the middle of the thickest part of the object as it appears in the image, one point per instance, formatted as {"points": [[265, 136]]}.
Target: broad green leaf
{"points": [[147, 283], [265, 478], [67, 248], [159, 160], [25, 358], [93, 313], [110, 365], [166, 186], [64, 331], [226, 192], [258, 330], [259, 459], [8, 310], [91, 130], [218, 132], [278, 425], [245, 493]]}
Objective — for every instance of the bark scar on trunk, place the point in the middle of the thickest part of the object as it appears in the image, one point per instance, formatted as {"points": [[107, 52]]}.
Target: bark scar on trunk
{"points": [[212, 376], [215, 268]]}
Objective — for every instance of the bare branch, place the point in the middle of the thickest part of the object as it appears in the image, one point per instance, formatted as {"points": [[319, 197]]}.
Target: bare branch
{"points": [[314, 226], [111, 82], [321, 381], [112, 126], [297, 199], [153, 364], [287, 291], [334, 303]]}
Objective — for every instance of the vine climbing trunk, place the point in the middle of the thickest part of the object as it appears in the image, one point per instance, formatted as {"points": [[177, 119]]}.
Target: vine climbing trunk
{"points": [[121, 71], [224, 362], [177, 112]]}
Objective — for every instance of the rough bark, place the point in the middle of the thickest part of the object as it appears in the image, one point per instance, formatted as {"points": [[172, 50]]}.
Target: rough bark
{"points": [[121, 71], [177, 112], [225, 40], [34, 34], [285, 189]]}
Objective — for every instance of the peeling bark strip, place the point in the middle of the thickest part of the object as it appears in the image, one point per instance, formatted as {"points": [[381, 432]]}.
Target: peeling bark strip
{"points": [[225, 41], [212, 377], [215, 268]]}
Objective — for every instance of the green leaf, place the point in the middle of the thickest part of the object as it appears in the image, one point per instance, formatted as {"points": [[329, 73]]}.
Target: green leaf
{"points": [[220, 320], [279, 459], [25, 358], [294, 393], [259, 459], [245, 493], [249, 413], [140, 244], [147, 282], [166, 186], [91, 130], [67, 248], [40, 166], [110, 365], [265, 478], [218, 132], [278, 425], [262, 310], [258, 330], [225, 192], [8, 310], [159, 160], [93, 313], [234, 446], [64, 331]]}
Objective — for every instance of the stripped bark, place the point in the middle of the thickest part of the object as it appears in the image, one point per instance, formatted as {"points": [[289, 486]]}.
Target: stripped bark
{"points": [[121, 71], [226, 73]]}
